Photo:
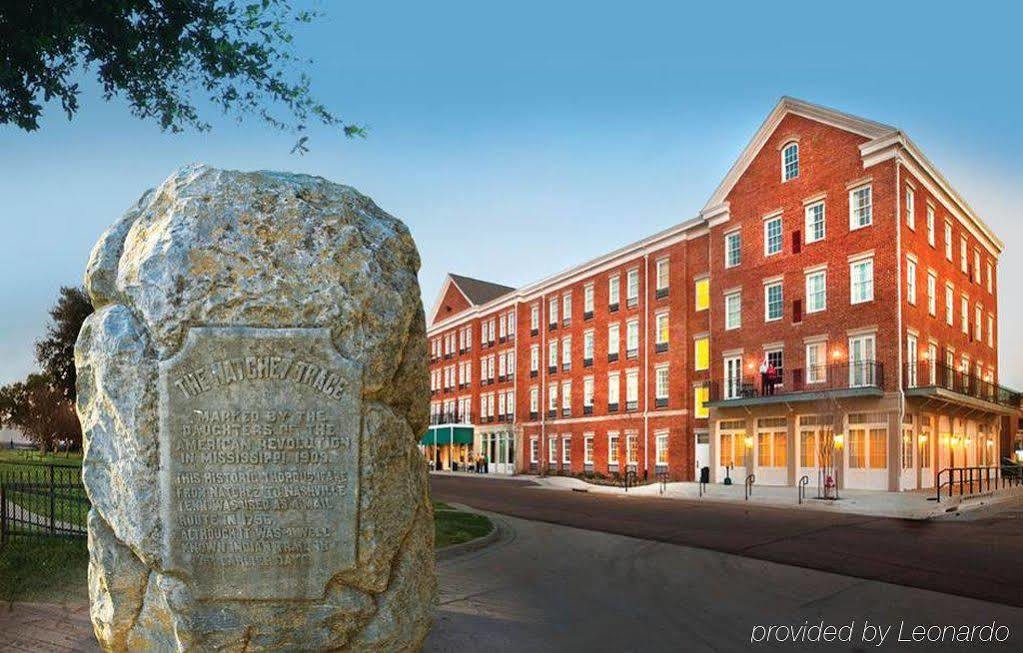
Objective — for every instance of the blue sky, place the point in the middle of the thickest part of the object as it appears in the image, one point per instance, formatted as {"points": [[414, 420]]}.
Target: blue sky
{"points": [[541, 134]]}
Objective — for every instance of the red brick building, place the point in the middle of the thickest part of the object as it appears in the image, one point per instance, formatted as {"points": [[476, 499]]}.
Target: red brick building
{"points": [[834, 256]]}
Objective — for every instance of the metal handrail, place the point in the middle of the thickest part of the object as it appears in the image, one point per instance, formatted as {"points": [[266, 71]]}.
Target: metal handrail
{"points": [[803, 482], [750, 480], [979, 479]]}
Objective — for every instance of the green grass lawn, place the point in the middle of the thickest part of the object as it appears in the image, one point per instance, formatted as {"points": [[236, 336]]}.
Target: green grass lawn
{"points": [[454, 526], [44, 569], [70, 504]]}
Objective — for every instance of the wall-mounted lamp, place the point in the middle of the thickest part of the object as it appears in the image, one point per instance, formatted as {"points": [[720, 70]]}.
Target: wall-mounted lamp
{"points": [[839, 440], [954, 441], [749, 441], [922, 439]]}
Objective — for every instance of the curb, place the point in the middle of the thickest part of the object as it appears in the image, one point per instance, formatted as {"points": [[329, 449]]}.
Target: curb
{"points": [[456, 550]]}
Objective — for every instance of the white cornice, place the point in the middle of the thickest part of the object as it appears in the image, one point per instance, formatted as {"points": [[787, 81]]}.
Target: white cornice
{"points": [[901, 147]]}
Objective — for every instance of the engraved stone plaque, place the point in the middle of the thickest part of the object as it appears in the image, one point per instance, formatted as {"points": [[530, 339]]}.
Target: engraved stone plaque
{"points": [[259, 462]]}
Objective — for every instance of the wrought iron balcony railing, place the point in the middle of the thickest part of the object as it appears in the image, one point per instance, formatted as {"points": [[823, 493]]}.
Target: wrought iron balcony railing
{"points": [[925, 374], [817, 378]]}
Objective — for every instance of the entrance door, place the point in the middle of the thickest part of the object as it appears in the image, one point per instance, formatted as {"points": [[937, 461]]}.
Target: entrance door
{"points": [[702, 451], [733, 376], [861, 361]]}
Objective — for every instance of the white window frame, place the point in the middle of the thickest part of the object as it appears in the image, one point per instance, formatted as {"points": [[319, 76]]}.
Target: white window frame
{"points": [[737, 297], [587, 448], [789, 169], [661, 448], [632, 285], [588, 298], [867, 261], [613, 440], [950, 304], [810, 219], [566, 450], [614, 390], [855, 210], [948, 240], [768, 287], [614, 290], [817, 370], [809, 277], [729, 237], [663, 273], [661, 385], [910, 208], [911, 274], [930, 226], [768, 223]]}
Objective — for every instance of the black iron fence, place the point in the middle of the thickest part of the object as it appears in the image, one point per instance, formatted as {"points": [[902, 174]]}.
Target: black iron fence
{"points": [[967, 481], [816, 378], [452, 418], [924, 374], [42, 499]]}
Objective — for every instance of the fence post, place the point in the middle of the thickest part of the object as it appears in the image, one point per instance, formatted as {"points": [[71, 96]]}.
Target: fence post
{"points": [[53, 507], [3, 515]]}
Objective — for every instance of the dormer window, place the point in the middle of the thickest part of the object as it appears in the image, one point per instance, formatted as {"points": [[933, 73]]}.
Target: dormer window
{"points": [[790, 161]]}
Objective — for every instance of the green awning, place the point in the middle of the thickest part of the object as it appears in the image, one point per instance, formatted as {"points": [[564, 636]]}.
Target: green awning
{"points": [[447, 435]]}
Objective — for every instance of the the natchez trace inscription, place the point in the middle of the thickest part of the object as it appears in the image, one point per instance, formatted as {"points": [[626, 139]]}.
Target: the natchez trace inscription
{"points": [[259, 462]]}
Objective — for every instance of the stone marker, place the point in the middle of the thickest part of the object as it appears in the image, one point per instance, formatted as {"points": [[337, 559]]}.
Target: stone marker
{"points": [[251, 388]]}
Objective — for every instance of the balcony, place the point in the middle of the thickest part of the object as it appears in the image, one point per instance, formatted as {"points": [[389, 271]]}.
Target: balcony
{"points": [[451, 418], [835, 381], [938, 381]]}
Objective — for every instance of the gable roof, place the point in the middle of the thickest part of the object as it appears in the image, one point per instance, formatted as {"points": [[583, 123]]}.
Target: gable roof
{"points": [[478, 291], [848, 122]]}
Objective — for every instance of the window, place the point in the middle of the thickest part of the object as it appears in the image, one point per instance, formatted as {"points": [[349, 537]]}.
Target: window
{"points": [[776, 357], [552, 397], [772, 301], [790, 162], [816, 291], [661, 448], [861, 360], [588, 392], [632, 389], [552, 354], [552, 451], [588, 449], [701, 395], [948, 240], [632, 338], [588, 347], [613, 344], [566, 307], [990, 330], [910, 209], [733, 249], [703, 293], [566, 450], [534, 450], [534, 358], [534, 400], [930, 226], [662, 332], [701, 353], [772, 236], [511, 325], [964, 312], [861, 277], [662, 276], [815, 222], [632, 287], [502, 327], [632, 449], [661, 385], [772, 449], [911, 360], [612, 448], [963, 265], [816, 362], [552, 310], [612, 390], [861, 212], [977, 317], [588, 299], [949, 305], [868, 449], [613, 289], [976, 266], [932, 363], [932, 292], [566, 353], [733, 310], [911, 281], [534, 317], [566, 397]]}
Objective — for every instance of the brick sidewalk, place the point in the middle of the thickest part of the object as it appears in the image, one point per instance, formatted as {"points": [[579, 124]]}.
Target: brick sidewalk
{"points": [[46, 628]]}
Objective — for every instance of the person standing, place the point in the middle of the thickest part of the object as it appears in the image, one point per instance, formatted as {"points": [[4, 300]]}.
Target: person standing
{"points": [[763, 377], [772, 378]]}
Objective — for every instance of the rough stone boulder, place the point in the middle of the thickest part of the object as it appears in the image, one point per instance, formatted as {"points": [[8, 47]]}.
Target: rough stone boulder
{"points": [[215, 263]]}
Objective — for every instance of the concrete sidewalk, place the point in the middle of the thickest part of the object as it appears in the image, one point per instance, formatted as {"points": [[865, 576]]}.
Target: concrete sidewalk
{"points": [[902, 505]]}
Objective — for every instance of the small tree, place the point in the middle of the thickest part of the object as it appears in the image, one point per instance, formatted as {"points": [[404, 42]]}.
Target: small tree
{"points": [[42, 413], [55, 353]]}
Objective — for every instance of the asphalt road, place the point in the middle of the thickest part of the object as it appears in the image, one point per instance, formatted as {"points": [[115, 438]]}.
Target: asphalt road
{"points": [[980, 558]]}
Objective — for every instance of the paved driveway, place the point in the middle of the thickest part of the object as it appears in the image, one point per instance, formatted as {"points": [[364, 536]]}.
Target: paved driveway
{"points": [[981, 558], [546, 587]]}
